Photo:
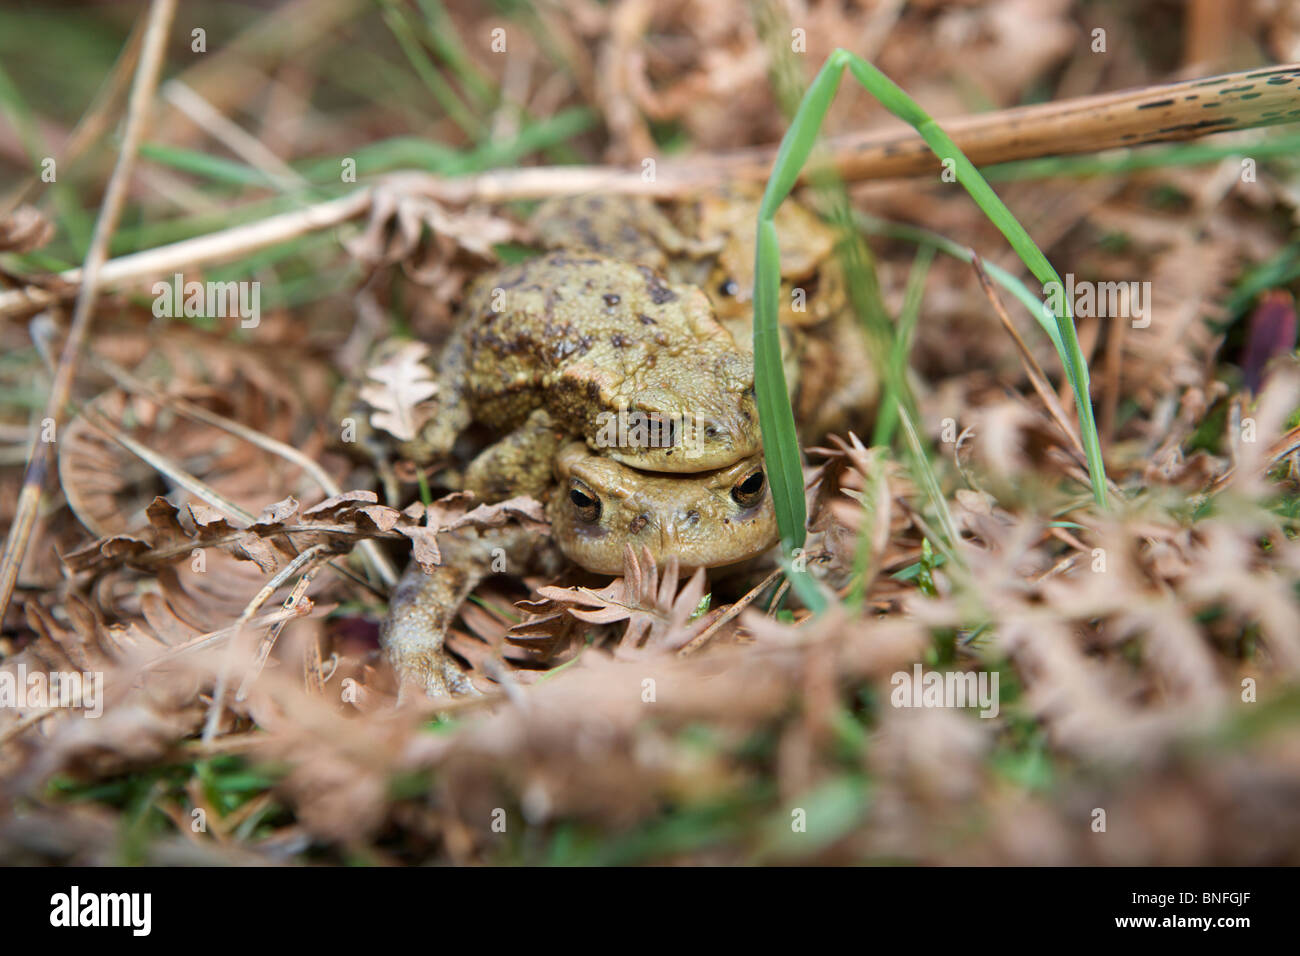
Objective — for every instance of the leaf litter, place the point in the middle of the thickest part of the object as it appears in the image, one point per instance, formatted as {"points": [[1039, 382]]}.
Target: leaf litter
{"points": [[1148, 656]]}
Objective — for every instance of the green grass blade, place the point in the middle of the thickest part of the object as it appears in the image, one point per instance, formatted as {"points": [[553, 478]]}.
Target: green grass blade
{"points": [[415, 54], [924, 470], [444, 40], [410, 152], [895, 383], [775, 416], [897, 230], [905, 108], [793, 153], [212, 168]]}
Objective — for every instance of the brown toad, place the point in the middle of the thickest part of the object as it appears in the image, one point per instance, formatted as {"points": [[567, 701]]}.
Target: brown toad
{"points": [[637, 366], [590, 338], [707, 241], [597, 507]]}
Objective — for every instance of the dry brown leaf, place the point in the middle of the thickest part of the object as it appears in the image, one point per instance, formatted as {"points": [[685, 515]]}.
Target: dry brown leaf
{"points": [[404, 383], [657, 615], [25, 229]]}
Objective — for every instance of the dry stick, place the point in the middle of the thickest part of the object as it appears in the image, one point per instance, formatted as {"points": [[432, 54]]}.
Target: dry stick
{"points": [[205, 492], [1037, 377], [220, 634], [1065, 564], [314, 677], [142, 90], [213, 247], [776, 598], [311, 557], [240, 142], [707, 634], [1163, 113], [1154, 114], [165, 466], [268, 641], [378, 560]]}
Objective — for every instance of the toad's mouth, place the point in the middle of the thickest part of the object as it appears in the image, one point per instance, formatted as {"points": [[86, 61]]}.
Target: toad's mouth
{"points": [[695, 539], [611, 561]]}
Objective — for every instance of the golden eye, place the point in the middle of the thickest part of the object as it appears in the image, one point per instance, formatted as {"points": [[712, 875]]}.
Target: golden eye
{"points": [[749, 491], [585, 504]]}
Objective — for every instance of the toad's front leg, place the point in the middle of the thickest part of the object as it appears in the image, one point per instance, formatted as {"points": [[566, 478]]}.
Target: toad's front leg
{"points": [[423, 606], [414, 635]]}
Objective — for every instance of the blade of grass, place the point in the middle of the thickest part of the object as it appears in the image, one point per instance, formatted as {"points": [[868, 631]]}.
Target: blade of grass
{"points": [[415, 54], [444, 39], [1280, 269], [408, 152], [927, 479], [896, 390], [791, 157], [897, 230], [903, 106], [215, 169], [854, 255]]}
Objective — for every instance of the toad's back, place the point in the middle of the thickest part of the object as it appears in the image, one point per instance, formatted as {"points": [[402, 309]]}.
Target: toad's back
{"points": [[580, 335]]}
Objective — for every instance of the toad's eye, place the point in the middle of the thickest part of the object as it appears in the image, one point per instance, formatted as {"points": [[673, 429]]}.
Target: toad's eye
{"points": [[749, 491], [585, 504], [728, 287]]}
